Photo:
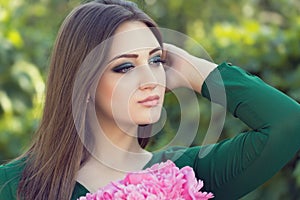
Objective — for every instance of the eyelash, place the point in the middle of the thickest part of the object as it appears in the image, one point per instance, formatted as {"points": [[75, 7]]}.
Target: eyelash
{"points": [[157, 60], [125, 67]]}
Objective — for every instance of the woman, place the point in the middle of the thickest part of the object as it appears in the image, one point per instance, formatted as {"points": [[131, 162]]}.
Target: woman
{"points": [[102, 91]]}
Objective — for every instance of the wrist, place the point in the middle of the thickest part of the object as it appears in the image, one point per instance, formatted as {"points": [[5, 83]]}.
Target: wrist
{"points": [[202, 68]]}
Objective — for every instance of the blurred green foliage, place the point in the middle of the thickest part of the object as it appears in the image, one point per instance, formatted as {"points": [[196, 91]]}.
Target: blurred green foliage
{"points": [[261, 36]]}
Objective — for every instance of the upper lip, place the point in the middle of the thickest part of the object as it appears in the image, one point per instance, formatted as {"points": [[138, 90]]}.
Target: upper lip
{"points": [[149, 98]]}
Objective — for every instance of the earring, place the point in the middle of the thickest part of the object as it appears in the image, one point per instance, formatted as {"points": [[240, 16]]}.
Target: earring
{"points": [[88, 97]]}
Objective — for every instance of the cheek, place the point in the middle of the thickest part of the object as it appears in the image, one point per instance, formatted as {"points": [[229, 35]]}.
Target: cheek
{"points": [[117, 97], [161, 76], [124, 87], [103, 95], [113, 96]]}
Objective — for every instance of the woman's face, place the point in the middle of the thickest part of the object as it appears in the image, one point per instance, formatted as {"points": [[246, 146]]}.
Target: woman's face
{"points": [[131, 89]]}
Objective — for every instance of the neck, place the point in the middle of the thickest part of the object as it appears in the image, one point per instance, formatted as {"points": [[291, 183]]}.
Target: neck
{"points": [[120, 152], [125, 138], [118, 148]]}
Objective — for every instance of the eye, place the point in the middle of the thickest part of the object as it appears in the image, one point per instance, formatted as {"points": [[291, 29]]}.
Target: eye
{"points": [[156, 60], [123, 68]]}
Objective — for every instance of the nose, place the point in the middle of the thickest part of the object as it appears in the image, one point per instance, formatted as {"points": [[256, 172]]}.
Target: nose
{"points": [[149, 85], [148, 79]]}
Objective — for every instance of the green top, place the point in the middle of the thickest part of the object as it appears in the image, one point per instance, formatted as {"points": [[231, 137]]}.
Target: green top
{"points": [[234, 166]]}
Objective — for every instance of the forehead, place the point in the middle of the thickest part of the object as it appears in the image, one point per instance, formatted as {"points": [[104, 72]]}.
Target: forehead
{"points": [[132, 36]]}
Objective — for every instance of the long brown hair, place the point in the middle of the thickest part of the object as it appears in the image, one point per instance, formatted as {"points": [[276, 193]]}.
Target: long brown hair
{"points": [[57, 151]]}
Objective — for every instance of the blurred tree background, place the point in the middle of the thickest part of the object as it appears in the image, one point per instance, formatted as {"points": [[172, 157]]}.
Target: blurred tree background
{"points": [[261, 36]]}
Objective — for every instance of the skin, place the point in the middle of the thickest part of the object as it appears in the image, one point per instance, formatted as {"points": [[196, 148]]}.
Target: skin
{"points": [[119, 100], [133, 74]]}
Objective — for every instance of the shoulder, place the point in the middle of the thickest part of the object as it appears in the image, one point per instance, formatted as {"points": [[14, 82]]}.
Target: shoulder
{"points": [[181, 156], [10, 174]]}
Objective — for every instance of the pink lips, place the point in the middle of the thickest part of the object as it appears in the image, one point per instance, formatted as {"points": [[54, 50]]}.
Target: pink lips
{"points": [[150, 101]]}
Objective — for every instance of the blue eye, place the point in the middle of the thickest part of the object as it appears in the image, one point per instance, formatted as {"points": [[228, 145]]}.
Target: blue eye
{"points": [[156, 60], [123, 68]]}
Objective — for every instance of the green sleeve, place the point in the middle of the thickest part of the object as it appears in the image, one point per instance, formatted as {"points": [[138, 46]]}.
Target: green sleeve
{"points": [[5, 188], [236, 166], [9, 179]]}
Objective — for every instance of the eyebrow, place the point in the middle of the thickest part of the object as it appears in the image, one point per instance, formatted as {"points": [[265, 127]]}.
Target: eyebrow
{"points": [[135, 55]]}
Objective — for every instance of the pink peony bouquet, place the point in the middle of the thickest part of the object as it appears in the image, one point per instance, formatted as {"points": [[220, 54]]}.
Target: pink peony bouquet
{"points": [[159, 182]]}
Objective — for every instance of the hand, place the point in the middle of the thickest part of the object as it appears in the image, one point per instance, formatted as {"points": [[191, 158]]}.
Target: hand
{"points": [[184, 69]]}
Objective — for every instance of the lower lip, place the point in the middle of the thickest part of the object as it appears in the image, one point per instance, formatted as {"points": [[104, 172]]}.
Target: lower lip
{"points": [[151, 103]]}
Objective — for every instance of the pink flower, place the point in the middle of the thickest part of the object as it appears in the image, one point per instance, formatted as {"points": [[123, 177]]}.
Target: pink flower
{"points": [[161, 181]]}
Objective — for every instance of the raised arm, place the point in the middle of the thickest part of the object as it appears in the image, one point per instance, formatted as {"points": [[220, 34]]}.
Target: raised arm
{"points": [[237, 166], [241, 164]]}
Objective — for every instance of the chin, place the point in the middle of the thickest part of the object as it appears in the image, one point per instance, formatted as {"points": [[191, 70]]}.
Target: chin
{"points": [[147, 120]]}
